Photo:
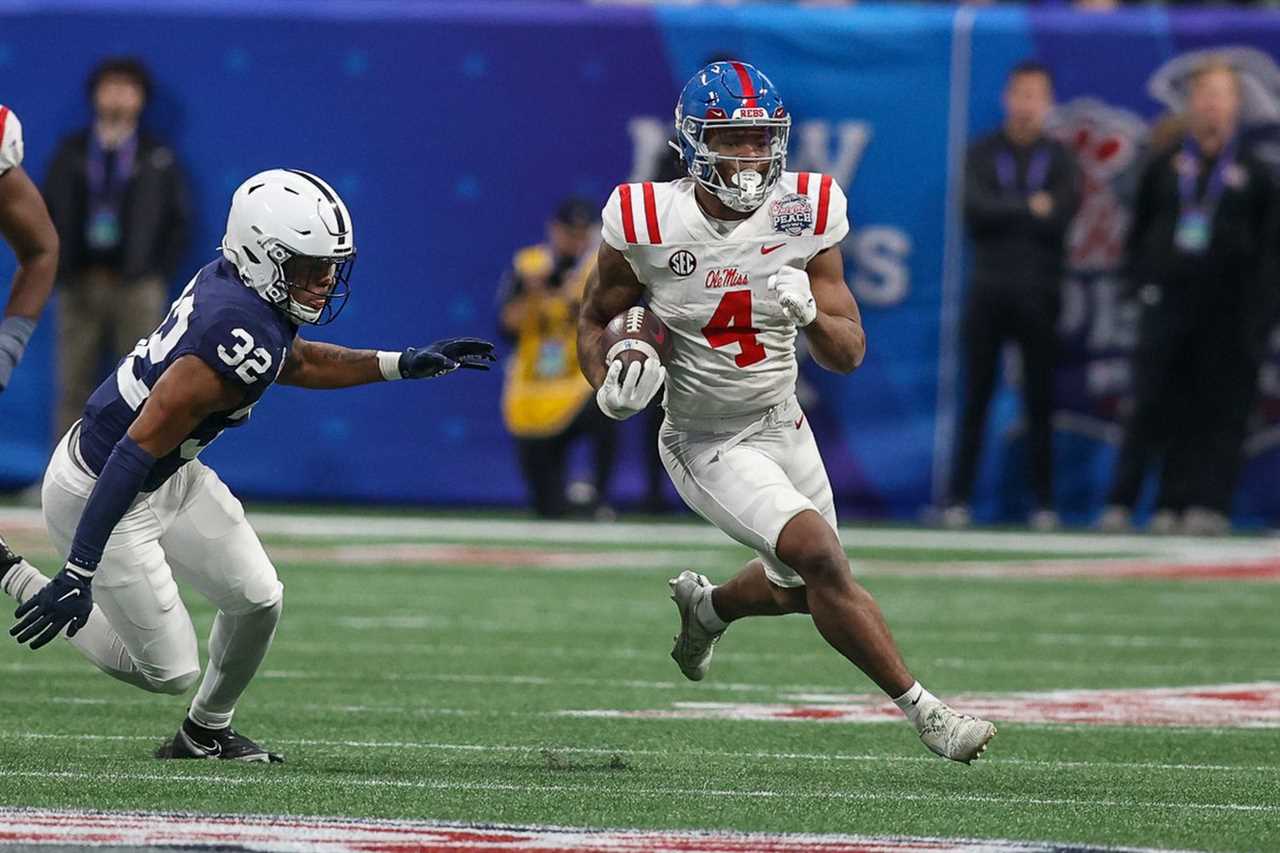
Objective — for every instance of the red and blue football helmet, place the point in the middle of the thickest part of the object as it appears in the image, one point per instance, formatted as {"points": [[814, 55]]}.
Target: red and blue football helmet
{"points": [[732, 94]]}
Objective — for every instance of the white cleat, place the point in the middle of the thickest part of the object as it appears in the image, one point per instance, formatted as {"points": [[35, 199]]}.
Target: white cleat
{"points": [[958, 737], [694, 644]]}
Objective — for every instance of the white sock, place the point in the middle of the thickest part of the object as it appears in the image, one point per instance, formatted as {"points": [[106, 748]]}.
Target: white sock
{"points": [[237, 646], [22, 581], [97, 640], [706, 613], [914, 701]]}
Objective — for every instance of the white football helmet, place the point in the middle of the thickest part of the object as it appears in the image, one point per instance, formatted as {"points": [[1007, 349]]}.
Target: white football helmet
{"points": [[281, 214]]}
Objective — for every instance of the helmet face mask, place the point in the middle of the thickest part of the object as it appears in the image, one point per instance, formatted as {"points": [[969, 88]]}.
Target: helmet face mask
{"points": [[317, 287], [732, 125], [759, 148], [289, 236]]}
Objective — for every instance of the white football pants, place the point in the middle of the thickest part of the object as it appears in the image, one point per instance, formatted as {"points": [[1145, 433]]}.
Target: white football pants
{"points": [[750, 479], [140, 632]]}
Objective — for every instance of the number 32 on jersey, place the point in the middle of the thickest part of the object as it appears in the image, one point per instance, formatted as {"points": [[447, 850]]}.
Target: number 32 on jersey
{"points": [[253, 361]]}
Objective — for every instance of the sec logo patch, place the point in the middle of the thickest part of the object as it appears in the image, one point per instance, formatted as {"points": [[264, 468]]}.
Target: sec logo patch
{"points": [[682, 263]]}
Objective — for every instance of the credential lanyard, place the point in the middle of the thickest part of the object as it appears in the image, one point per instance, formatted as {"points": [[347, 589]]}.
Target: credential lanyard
{"points": [[1037, 170], [1194, 230], [1207, 205]]}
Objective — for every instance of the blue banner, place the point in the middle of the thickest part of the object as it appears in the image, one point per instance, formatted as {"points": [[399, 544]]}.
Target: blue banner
{"points": [[452, 128]]}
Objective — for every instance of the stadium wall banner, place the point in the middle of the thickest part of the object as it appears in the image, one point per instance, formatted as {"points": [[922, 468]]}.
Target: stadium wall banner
{"points": [[451, 129]]}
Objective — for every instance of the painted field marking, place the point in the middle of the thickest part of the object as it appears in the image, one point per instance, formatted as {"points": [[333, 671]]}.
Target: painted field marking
{"points": [[341, 835], [511, 557], [1252, 705], [420, 711]]}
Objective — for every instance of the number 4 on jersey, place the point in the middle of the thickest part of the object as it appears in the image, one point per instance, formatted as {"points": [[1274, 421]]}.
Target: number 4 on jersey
{"points": [[731, 323]]}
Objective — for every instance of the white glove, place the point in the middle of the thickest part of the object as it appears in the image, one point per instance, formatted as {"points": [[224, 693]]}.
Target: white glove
{"points": [[791, 287], [622, 399]]}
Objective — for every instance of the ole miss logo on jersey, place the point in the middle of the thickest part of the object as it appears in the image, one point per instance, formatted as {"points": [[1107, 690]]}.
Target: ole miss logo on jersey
{"points": [[792, 214], [726, 277]]}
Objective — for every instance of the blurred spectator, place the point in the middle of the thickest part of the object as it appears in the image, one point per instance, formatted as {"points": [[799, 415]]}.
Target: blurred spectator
{"points": [[1196, 246], [547, 404], [120, 204], [1021, 191]]}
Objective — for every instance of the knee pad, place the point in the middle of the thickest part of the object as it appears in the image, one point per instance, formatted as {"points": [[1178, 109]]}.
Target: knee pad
{"points": [[258, 598], [273, 610], [265, 616], [173, 686]]}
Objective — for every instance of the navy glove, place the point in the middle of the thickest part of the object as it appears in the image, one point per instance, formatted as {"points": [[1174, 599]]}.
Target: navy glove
{"points": [[446, 356], [65, 602]]}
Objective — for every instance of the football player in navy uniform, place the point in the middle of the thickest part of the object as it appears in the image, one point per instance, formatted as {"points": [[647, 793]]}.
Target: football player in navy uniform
{"points": [[26, 227], [126, 498]]}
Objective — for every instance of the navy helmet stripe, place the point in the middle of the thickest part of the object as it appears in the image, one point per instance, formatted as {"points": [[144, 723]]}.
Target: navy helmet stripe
{"points": [[337, 207]]}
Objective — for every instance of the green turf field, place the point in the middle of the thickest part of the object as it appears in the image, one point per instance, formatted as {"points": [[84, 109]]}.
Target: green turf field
{"points": [[408, 689]]}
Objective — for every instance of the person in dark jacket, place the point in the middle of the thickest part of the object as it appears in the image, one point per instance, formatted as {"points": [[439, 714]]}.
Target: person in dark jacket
{"points": [[1021, 192], [1196, 252], [120, 203]]}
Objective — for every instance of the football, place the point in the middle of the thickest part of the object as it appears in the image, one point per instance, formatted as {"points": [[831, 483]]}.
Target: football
{"points": [[635, 335]]}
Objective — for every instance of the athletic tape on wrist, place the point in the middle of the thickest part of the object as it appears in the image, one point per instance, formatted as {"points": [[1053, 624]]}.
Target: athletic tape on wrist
{"points": [[15, 332], [389, 365]]}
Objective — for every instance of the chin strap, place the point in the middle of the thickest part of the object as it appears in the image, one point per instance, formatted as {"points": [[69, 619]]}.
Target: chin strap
{"points": [[301, 313]]}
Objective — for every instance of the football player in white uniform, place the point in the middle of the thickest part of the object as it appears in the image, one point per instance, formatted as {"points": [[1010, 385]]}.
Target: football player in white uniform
{"points": [[734, 259], [25, 224]]}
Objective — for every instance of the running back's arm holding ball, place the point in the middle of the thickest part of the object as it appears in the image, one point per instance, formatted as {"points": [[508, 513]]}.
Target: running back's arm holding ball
{"points": [[610, 290]]}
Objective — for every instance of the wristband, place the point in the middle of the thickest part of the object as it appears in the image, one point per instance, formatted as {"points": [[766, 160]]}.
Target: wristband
{"points": [[389, 365], [15, 332]]}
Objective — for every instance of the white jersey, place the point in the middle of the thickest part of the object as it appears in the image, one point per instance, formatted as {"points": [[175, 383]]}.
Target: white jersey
{"points": [[734, 348], [10, 140]]}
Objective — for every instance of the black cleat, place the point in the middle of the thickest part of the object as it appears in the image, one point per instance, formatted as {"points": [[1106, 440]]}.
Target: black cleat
{"points": [[195, 741], [8, 559]]}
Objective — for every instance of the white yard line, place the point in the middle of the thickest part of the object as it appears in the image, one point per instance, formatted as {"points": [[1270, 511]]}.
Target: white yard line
{"points": [[953, 638], [279, 781], [353, 527], [981, 664], [420, 711], [817, 757], [472, 678]]}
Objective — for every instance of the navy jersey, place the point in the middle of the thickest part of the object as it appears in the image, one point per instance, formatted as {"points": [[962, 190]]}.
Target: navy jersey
{"points": [[220, 321]]}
